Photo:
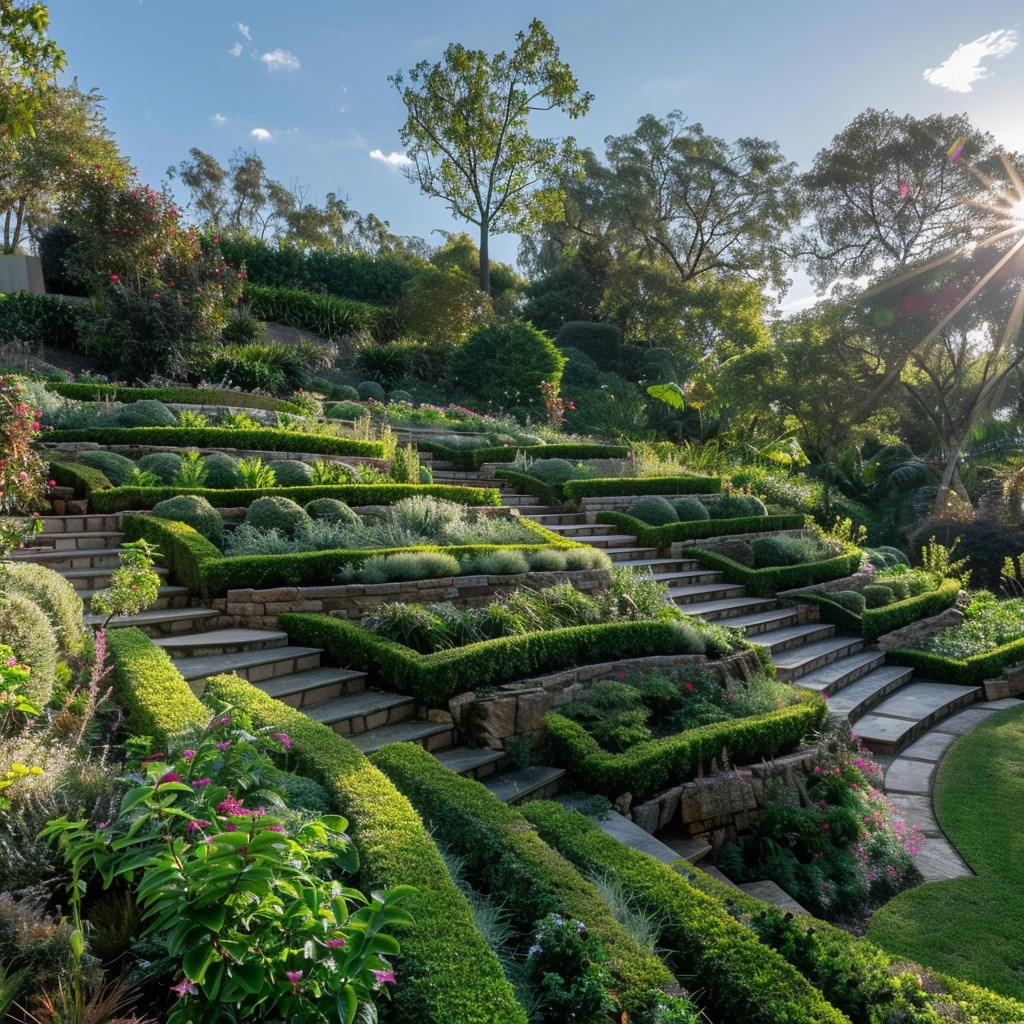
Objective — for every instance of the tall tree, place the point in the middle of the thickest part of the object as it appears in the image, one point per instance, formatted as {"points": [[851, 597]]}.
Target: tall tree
{"points": [[893, 190], [29, 63], [467, 133]]}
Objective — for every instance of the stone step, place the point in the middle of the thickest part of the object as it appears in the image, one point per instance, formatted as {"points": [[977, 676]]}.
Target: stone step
{"points": [[166, 597], [792, 664], [913, 709], [432, 736], [362, 712], [687, 577], [528, 511], [786, 638], [866, 692], [87, 581], [534, 783], [162, 622], [698, 594], [757, 623], [553, 519], [66, 541], [609, 540], [830, 679], [79, 523], [80, 558], [726, 609], [301, 689], [254, 665], [629, 555], [581, 531], [657, 566], [224, 641], [473, 763]]}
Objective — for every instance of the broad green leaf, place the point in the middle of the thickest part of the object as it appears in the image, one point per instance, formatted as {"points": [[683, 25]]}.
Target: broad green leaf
{"points": [[670, 394]]}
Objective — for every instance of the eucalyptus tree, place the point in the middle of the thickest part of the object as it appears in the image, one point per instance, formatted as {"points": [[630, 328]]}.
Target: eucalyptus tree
{"points": [[467, 133]]}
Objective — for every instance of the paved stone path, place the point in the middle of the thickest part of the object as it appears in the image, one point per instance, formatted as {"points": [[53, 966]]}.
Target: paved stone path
{"points": [[910, 775]]}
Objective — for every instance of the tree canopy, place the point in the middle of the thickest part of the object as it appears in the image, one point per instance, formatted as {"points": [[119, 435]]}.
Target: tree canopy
{"points": [[29, 63]]}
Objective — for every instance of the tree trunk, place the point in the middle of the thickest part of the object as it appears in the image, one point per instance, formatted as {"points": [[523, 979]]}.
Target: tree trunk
{"points": [[485, 259]]}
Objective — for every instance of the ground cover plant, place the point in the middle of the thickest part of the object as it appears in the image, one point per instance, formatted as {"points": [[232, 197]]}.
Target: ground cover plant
{"points": [[967, 927]]}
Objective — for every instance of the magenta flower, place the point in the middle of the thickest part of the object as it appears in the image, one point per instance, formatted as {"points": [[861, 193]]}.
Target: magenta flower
{"points": [[384, 977], [185, 987], [187, 755], [200, 782], [294, 977], [284, 740], [336, 943], [169, 777]]}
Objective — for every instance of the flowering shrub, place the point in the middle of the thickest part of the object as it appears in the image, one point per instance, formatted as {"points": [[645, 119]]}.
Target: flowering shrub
{"points": [[554, 405], [22, 469], [249, 906]]}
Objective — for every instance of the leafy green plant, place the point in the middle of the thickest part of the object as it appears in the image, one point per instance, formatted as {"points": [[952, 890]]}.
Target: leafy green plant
{"points": [[252, 472], [133, 584], [938, 559], [192, 472], [190, 418]]}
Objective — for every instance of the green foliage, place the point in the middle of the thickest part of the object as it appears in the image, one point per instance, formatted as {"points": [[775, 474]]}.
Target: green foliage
{"points": [[133, 584], [737, 506], [192, 472], [689, 510], [502, 367], [653, 510], [147, 412], [571, 452], [554, 471], [781, 550], [877, 595], [221, 470], [277, 513], [26, 629], [333, 511], [291, 472], [57, 598], [768, 582], [166, 465], [98, 392], [39, 319], [254, 474], [601, 342], [195, 511], [324, 315], [613, 486], [347, 410], [116, 468], [370, 390], [613, 713]]}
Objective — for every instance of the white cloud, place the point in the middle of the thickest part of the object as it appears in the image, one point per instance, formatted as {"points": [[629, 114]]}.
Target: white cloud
{"points": [[219, 119], [965, 64], [236, 50], [281, 60], [393, 160], [261, 135], [244, 29]]}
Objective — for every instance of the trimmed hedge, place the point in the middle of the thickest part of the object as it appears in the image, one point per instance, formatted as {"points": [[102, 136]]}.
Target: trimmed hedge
{"points": [[326, 315], [156, 700], [84, 479], [877, 621], [447, 974], [572, 452], [434, 678], [610, 487], [768, 582], [661, 537], [98, 392], [648, 767], [522, 873], [460, 458], [121, 499], [732, 975], [266, 439], [545, 493], [967, 672]]}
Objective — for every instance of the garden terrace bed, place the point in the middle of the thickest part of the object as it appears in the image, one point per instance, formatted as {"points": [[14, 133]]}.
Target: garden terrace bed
{"points": [[523, 873], [874, 622], [769, 581], [435, 678], [198, 564], [624, 488], [663, 537], [201, 398], [653, 765], [571, 452], [226, 439], [733, 976], [971, 671], [123, 499], [448, 973], [259, 609]]}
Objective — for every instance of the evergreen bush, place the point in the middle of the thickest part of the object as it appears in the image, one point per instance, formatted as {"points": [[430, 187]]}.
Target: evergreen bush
{"points": [[553, 471], [146, 413], [779, 550], [877, 595], [291, 472], [26, 629], [166, 465], [194, 511], [333, 511], [653, 510], [221, 471], [690, 510], [56, 596], [370, 389], [116, 468], [737, 506], [277, 513]]}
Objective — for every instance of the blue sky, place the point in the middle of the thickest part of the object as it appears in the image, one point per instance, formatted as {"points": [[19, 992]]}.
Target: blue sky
{"points": [[305, 83]]}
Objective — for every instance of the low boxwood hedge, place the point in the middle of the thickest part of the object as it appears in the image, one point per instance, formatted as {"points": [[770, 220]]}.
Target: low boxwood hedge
{"points": [[733, 977], [197, 564], [97, 392], [653, 765], [460, 458], [447, 973], [265, 439], [768, 582], [615, 486], [522, 873], [573, 452], [545, 493], [877, 621], [967, 671], [661, 537], [84, 479], [434, 678], [121, 499]]}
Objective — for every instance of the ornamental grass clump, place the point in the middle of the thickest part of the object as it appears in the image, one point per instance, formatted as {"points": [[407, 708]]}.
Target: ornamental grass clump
{"points": [[269, 929]]}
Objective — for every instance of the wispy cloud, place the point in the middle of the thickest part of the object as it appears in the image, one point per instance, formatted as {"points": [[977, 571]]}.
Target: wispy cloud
{"points": [[236, 50], [281, 60], [219, 119], [393, 160], [244, 29], [965, 65], [261, 135]]}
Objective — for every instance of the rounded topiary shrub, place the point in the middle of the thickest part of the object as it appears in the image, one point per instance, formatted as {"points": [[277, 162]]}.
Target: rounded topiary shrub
{"points": [[344, 393], [400, 396], [346, 411], [553, 471], [420, 565], [653, 510], [57, 598], [277, 513], [737, 506], [194, 511], [291, 472], [116, 468], [690, 510], [546, 560], [370, 389], [884, 556], [166, 465], [774, 551], [332, 511], [426, 475], [877, 595], [851, 600], [900, 589], [146, 413], [221, 471], [737, 550], [25, 628], [504, 365]]}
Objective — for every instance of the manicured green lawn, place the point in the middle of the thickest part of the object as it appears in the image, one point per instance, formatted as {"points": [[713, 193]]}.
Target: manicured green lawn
{"points": [[971, 927]]}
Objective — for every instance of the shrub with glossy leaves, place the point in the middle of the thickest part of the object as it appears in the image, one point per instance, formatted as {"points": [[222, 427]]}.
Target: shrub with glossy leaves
{"points": [[194, 511]]}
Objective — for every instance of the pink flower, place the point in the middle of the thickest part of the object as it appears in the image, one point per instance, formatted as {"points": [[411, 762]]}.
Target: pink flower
{"points": [[185, 988], [336, 943], [294, 977], [284, 740], [384, 977], [169, 777], [200, 782]]}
